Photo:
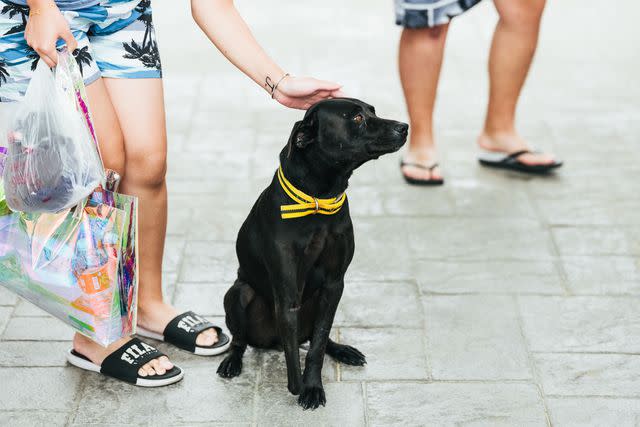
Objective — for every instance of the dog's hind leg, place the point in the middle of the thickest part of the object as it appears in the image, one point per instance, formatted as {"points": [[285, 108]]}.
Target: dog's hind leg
{"points": [[236, 302], [345, 354]]}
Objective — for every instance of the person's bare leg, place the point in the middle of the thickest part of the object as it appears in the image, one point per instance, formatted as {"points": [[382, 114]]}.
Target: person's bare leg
{"points": [[139, 105], [112, 149], [420, 60], [514, 44]]}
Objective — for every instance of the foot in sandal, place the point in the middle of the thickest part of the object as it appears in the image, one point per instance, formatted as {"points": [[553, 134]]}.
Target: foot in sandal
{"points": [[187, 331], [419, 167], [508, 150], [128, 359]]}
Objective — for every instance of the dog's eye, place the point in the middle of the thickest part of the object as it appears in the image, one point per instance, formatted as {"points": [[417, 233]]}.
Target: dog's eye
{"points": [[358, 119]]}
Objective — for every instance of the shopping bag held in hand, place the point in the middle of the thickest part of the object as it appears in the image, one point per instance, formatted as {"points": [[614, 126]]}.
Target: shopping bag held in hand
{"points": [[52, 161], [79, 265]]}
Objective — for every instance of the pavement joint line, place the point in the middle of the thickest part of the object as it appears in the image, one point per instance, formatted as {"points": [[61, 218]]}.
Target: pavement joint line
{"points": [[594, 396], [604, 353], [426, 343], [78, 395], [533, 369], [365, 402]]}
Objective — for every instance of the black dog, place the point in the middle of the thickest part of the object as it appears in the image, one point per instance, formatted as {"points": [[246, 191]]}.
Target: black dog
{"points": [[294, 249]]}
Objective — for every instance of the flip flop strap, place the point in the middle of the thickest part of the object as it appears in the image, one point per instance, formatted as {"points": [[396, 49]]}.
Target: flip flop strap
{"points": [[518, 154], [416, 165], [125, 362], [183, 330]]}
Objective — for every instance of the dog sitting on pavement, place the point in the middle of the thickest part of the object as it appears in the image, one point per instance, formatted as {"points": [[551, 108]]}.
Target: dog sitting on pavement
{"points": [[295, 246]]}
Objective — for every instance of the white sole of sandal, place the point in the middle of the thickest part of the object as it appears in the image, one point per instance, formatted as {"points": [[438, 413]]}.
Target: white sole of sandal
{"points": [[200, 351], [81, 363]]}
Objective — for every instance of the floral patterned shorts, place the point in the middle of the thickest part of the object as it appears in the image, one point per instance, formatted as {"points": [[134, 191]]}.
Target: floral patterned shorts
{"points": [[430, 13], [116, 39]]}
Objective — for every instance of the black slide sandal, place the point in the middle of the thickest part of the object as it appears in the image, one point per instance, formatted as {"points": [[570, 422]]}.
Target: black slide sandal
{"points": [[124, 364], [425, 182], [183, 332], [498, 160]]}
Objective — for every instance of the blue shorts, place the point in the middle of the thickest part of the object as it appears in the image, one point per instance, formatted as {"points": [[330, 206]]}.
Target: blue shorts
{"points": [[116, 39], [430, 13]]}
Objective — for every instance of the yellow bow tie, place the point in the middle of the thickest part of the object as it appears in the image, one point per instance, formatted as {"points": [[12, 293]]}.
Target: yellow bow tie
{"points": [[305, 204]]}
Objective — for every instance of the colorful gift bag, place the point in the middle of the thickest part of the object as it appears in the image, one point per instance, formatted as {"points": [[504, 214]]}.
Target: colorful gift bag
{"points": [[79, 265]]}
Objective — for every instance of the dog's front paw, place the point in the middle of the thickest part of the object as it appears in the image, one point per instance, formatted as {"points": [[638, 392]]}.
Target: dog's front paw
{"points": [[312, 397], [349, 355], [230, 367]]}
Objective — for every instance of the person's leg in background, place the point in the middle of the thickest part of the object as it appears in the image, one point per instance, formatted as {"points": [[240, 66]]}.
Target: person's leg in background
{"points": [[512, 50], [420, 60]]}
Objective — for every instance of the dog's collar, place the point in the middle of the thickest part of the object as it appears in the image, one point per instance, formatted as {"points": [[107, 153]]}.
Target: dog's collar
{"points": [[305, 204]]}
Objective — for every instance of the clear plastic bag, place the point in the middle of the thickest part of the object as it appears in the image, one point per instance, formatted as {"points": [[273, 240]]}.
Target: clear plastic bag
{"points": [[52, 160]]}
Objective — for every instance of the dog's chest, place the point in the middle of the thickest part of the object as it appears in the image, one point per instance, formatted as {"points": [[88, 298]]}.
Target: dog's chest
{"points": [[326, 256]]}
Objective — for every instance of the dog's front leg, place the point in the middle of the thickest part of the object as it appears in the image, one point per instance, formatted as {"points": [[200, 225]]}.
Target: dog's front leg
{"points": [[287, 307], [312, 394]]}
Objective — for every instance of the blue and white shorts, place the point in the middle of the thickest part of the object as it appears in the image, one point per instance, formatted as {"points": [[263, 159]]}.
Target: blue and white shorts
{"points": [[430, 13], [116, 39]]}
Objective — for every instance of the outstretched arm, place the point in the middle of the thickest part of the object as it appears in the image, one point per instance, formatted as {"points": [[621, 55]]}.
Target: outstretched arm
{"points": [[221, 22]]}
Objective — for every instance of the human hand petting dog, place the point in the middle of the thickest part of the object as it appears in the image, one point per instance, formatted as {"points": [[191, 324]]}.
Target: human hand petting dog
{"points": [[302, 92], [222, 23]]}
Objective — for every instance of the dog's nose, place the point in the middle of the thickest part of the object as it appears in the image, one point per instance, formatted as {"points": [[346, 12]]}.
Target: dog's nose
{"points": [[402, 128]]}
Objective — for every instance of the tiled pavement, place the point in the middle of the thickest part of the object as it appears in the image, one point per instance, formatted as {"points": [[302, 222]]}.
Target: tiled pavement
{"points": [[495, 300]]}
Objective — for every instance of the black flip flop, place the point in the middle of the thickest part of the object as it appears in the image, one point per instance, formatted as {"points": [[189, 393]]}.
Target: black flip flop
{"points": [[183, 332], [426, 182], [124, 364], [498, 160]]}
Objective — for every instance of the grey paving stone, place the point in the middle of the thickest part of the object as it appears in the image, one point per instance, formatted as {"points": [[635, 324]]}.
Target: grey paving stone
{"points": [[596, 240], [391, 354], [202, 397], [380, 250], [589, 374], [37, 329], [38, 388], [380, 304], [475, 337], [203, 298], [474, 198], [219, 225], [593, 324], [479, 239], [607, 275], [274, 369], [410, 201], [7, 297], [454, 404], [594, 411], [5, 314], [173, 250], [209, 262], [31, 418], [490, 276], [26, 309], [593, 210], [33, 353], [345, 407]]}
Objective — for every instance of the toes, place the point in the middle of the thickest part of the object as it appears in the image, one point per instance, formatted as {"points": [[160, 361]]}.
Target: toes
{"points": [[148, 369], [207, 338], [157, 366], [230, 367], [142, 372], [312, 398], [165, 363]]}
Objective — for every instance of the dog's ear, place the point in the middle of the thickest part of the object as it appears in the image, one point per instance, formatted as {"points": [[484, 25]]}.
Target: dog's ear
{"points": [[303, 133]]}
